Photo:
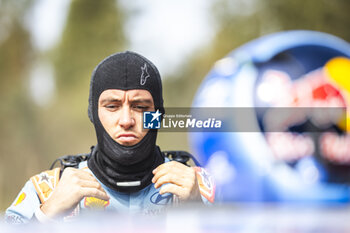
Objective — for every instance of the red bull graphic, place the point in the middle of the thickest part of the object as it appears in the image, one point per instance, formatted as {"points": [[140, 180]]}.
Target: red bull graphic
{"points": [[297, 86], [303, 97]]}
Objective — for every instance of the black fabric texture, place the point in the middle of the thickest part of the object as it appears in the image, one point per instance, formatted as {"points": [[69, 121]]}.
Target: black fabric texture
{"points": [[112, 162], [124, 71]]}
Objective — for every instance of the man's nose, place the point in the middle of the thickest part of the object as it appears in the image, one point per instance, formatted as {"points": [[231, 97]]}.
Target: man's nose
{"points": [[126, 120]]}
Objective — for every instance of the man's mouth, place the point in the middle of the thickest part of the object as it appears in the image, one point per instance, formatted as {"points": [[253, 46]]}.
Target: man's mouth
{"points": [[126, 138]]}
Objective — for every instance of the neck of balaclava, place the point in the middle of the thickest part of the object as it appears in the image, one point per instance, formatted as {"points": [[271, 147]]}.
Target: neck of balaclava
{"points": [[125, 168]]}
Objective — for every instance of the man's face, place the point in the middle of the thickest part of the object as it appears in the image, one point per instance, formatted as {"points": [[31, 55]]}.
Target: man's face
{"points": [[121, 112]]}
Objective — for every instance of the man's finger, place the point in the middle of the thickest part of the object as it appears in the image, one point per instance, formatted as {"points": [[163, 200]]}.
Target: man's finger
{"points": [[172, 167], [171, 188], [168, 178], [161, 172], [85, 175], [91, 184], [171, 164], [81, 174], [93, 192]]}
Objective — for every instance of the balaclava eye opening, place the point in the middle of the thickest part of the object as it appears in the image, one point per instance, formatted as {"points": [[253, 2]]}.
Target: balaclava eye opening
{"points": [[124, 168]]}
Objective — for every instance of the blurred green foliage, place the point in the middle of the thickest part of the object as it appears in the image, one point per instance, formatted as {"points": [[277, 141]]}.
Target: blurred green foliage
{"points": [[32, 137], [94, 31], [16, 116], [239, 21]]}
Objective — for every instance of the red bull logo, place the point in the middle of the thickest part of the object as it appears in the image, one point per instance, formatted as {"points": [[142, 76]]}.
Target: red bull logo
{"points": [[328, 88]]}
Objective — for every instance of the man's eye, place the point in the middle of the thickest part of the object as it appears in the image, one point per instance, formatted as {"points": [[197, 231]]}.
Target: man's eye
{"points": [[111, 106], [141, 107]]}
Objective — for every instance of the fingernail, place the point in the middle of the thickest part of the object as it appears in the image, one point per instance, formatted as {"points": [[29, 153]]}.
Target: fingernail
{"points": [[152, 180]]}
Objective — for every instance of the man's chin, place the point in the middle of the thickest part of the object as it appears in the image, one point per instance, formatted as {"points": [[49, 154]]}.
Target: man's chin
{"points": [[127, 142]]}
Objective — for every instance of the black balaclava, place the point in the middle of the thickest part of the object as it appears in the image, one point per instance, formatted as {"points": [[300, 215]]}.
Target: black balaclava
{"points": [[124, 168]]}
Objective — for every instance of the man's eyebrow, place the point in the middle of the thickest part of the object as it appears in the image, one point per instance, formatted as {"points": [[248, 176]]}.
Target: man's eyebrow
{"points": [[142, 101], [110, 100]]}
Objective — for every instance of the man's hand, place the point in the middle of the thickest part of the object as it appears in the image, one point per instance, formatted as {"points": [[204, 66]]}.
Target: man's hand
{"points": [[73, 186], [179, 179]]}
